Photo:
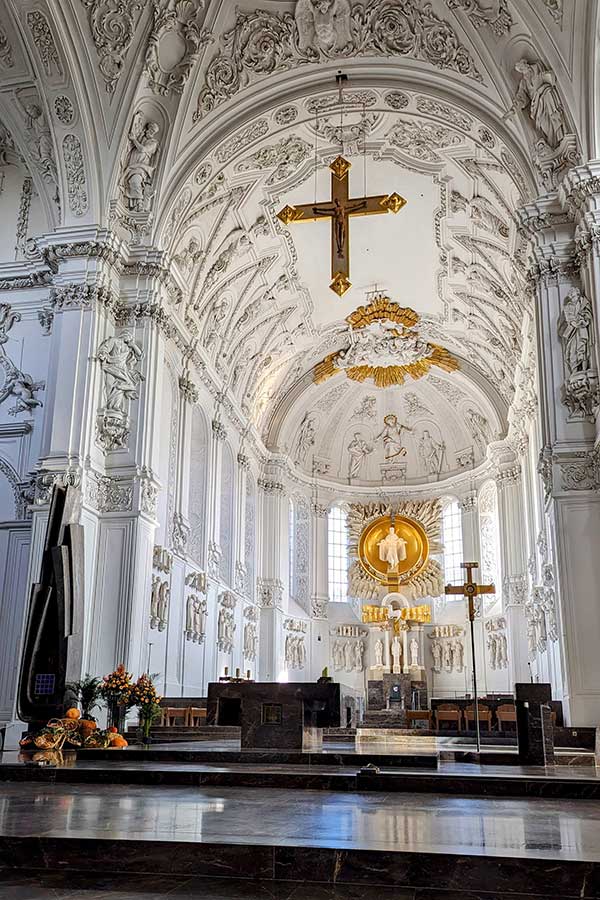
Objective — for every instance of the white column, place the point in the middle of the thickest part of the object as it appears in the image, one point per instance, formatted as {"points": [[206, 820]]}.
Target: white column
{"points": [[319, 560], [568, 462], [180, 526], [240, 577], [273, 570]]}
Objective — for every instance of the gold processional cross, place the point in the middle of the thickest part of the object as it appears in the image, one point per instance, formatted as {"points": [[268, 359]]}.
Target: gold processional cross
{"points": [[470, 589], [339, 209]]}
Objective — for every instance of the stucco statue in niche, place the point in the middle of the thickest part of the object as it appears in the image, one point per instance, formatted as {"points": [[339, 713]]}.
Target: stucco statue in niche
{"points": [[358, 450], [379, 654], [139, 163], [396, 653], [119, 357], [323, 24], [413, 649], [431, 453], [575, 330], [537, 92], [436, 652], [391, 435], [392, 549], [359, 649], [306, 439]]}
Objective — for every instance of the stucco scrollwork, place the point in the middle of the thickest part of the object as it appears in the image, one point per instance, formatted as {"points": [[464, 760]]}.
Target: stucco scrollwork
{"points": [[44, 43], [175, 42], [263, 42], [112, 23], [494, 13], [75, 172]]}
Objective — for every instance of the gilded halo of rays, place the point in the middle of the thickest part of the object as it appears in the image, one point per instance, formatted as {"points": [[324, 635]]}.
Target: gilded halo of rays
{"points": [[383, 309]]}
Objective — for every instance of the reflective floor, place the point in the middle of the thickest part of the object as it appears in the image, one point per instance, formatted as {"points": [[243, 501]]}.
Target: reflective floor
{"points": [[546, 829]]}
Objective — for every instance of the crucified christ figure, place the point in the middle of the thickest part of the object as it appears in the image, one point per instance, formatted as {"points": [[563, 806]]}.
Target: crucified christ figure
{"points": [[339, 215]]}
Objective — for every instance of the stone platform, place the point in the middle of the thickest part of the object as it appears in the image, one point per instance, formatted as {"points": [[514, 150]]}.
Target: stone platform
{"points": [[337, 845]]}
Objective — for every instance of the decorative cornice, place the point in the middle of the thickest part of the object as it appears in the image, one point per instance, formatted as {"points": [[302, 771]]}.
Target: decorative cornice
{"points": [[82, 296]]}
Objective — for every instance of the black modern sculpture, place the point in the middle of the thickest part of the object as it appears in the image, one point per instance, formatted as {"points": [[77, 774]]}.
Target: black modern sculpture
{"points": [[53, 644]]}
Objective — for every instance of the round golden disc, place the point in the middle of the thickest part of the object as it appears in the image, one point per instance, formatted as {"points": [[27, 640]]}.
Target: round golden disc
{"points": [[417, 549]]}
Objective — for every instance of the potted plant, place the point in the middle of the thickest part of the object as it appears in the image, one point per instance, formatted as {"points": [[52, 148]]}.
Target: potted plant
{"points": [[86, 693], [117, 690], [146, 699]]}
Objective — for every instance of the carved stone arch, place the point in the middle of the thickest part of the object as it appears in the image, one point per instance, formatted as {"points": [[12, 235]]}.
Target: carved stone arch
{"points": [[12, 479]]}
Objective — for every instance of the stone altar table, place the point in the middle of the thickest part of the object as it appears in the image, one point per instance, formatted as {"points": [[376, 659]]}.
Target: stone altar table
{"points": [[273, 715]]}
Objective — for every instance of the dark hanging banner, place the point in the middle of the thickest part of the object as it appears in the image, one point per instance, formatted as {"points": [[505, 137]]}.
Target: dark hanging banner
{"points": [[53, 645]]}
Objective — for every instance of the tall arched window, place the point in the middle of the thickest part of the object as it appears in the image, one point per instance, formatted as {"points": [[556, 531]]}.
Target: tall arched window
{"points": [[226, 523], [337, 539], [490, 538], [250, 534], [197, 490], [453, 542]]}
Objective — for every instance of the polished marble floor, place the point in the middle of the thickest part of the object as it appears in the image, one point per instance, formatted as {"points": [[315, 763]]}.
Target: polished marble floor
{"points": [[544, 829]]}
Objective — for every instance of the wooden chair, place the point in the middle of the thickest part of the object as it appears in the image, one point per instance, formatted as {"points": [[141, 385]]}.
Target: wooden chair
{"points": [[506, 712], [196, 715], [170, 714], [448, 712], [419, 715], [485, 716]]}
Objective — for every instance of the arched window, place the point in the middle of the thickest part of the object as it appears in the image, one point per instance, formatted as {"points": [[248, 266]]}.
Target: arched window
{"points": [[226, 523], [453, 543], [337, 538], [250, 534], [490, 538], [197, 491]]}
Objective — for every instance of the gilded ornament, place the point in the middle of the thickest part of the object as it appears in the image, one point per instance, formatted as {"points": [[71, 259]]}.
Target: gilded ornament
{"points": [[408, 532]]}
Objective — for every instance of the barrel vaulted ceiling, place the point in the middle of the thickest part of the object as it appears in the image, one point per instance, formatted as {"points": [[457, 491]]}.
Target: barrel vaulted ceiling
{"points": [[252, 124]]}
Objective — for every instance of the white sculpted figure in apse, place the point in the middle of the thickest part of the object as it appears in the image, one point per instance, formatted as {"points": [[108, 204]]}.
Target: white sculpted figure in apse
{"points": [[413, 649], [119, 357], [431, 453], [358, 450], [139, 163], [479, 427], [391, 435], [379, 654], [575, 330], [392, 549], [396, 652], [306, 439], [381, 344], [323, 24], [537, 90]]}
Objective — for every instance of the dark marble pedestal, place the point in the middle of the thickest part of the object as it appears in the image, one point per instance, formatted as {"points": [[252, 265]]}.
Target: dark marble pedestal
{"points": [[272, 715], [535, 731], [393, 692]]}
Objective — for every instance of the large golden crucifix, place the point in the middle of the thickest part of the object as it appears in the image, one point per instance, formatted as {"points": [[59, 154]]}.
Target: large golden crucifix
{"points": [[470, 589], [339, 209]]}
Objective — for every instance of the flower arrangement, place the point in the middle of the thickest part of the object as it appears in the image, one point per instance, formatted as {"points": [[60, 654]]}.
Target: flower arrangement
{"points": [[145, 697], [118, 687]]}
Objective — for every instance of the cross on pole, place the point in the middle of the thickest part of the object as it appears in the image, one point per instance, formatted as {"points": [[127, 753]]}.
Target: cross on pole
{"points": [[470, 589], [339, 209]]}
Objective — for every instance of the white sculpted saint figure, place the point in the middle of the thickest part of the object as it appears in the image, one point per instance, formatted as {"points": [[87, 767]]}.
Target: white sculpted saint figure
{"points": [[359, 649], [379, 654], [119, 357], [396, 652], [358, 450], [338, 656], [391, 435], [306, 439], [139, 163], [349, 662], [392, 549], [414, 652], [436, 652], [575, 329], [537, 90], [431, 453]]}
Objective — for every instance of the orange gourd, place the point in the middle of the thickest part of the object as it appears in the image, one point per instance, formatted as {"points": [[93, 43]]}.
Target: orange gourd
{"points": [[72, 713]]}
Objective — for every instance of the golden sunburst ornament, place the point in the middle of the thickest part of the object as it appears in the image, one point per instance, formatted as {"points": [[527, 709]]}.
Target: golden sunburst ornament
{"points": [[385, 347]]}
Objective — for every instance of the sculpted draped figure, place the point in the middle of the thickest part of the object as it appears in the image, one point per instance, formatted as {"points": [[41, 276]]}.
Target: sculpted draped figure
{"points": [[139, 163], [358, 450], [575, 330], [391, 435], [392, 549], [537, 90], [119, 357]]}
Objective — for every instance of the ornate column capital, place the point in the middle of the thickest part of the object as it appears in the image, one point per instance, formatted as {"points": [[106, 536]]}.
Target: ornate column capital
{"points": [[579, 190], [468, 503], [243, 461], [218, 429], [269, 486], [319, 510]]}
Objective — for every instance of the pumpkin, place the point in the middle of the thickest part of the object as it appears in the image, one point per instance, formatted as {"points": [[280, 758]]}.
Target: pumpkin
{"points": [[72, 713], [118, 741], [112, 730], [86, 727]]}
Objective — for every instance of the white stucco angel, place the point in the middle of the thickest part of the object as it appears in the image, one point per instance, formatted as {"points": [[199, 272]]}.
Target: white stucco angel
{"points": [[323, 25]]}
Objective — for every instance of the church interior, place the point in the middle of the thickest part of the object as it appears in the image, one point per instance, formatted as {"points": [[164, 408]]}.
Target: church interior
{"points": [[299, 449]]}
